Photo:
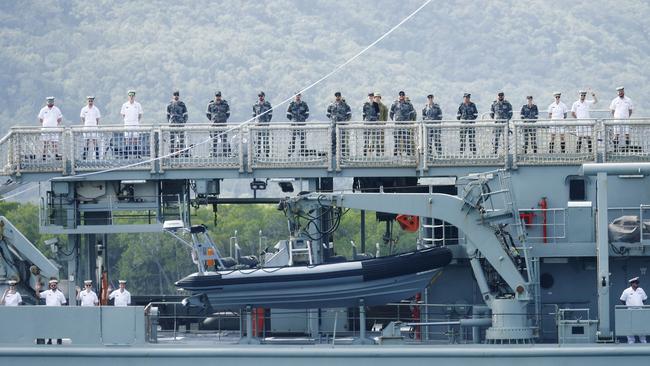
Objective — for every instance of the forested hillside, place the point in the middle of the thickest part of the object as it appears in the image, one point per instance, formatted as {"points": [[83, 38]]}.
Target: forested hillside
{"points": [[73, 48]]}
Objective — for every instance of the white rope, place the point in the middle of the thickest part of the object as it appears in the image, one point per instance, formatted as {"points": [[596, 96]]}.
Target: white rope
{"points": [[335, 70]]}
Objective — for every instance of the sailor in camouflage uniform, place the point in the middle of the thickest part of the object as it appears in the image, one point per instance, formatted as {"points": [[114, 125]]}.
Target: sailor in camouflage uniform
{"points": [[371, 136], [338, 111], [403, 111], [262, 112], [467, 113], [177, 117], [298, 112], [501, 112], [432, 114], [218, 112], [529, 114]]}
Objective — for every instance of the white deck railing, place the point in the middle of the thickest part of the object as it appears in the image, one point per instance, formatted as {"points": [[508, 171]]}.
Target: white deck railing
{"points": [[414, 145]]}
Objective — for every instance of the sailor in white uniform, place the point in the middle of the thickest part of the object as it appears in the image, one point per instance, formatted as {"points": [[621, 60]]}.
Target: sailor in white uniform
{"points": [[557, 111], [121, 295], [634, 296], [90, 116], [621, 109], [53, 297], [11, 297], [580, 110], [50, 116], [87, 297], [132, 114]]}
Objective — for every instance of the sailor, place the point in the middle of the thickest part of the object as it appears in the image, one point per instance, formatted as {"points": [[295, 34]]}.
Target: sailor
{"points": [[297, 111], [529, 114], [11, 297], [580, 110], [87, 297], [53, 297], [402, 111], [177, 117], [338, 111], [467, 113], [621, 108], [121, 295], [132, 114], [431, 113], [368, 112], [383, 110], [90, 116], [634, 296], [50, 117], [557, 111], [262, 113], [218, 112], [501, 112]]}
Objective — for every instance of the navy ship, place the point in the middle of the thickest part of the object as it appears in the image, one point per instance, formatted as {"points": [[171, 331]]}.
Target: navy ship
{"points": [[533, 245]]}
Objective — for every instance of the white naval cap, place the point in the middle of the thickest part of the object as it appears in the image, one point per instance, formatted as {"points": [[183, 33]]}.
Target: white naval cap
{"points": [[88, 282], [54, 280], [557, 93], [619, 88], [122, 281], [635, 279], [11, 282], [582, 91]]}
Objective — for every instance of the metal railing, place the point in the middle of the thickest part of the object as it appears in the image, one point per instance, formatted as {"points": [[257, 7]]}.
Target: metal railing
{"points": [[377, 144], [547, 142], [287, 145], [626, 140], [201, 146], [106, 147], [417, 145], [475, 143], [550, 230]]}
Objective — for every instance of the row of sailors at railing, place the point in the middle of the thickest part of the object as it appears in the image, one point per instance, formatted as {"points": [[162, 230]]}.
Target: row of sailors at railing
{"points": [[54, 297], [402, 110]]}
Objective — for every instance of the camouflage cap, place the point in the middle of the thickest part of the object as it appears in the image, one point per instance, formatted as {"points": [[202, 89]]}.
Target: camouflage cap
{"points": [[467, 95], [371, 94], [261, 94], [401, 93], [377, 94], [529, 97], [217, 93], [337, 94]]}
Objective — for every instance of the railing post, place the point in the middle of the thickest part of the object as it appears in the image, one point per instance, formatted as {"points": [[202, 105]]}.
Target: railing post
{"points": [[69, 152], [153, 133], [242, 133], [515, 144], [251, 136], [338, 148]]}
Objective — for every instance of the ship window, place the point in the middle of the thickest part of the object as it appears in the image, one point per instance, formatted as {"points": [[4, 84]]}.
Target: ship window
{"points": [[578, 330], [577, 189], [546, 280]]}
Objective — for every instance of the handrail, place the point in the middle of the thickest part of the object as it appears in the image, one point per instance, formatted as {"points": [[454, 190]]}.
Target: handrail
{"points": [[419, 145]]}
